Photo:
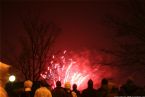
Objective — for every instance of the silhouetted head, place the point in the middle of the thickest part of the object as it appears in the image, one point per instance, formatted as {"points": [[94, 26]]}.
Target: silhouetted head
{"points": [[43, 83], [129, 81], [74, 86], [90, 84], [58, 84], [104, 81]]}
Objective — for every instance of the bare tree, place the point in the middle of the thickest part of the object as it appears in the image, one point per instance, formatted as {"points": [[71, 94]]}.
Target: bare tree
{"points": [[36, 46], [130, 55]]}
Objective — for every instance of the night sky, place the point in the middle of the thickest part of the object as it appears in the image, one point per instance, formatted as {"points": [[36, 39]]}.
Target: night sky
{"points": [[82, 24]]}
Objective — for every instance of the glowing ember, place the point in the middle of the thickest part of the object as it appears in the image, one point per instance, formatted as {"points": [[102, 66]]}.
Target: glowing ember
{"points": [[73, 68]]}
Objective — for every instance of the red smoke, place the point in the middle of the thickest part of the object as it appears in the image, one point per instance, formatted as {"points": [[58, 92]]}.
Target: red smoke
{"points": [[77, 67]]}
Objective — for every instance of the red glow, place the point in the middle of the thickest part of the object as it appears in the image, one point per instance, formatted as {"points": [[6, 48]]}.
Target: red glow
{"points": [[74, 68]]}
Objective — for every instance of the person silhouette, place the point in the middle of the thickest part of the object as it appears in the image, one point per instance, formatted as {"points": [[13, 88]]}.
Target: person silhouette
{"points": [[27, 89], [43, 91], [89, 91], [58, 91], [69, 92], [103, 91], [76, 91]]}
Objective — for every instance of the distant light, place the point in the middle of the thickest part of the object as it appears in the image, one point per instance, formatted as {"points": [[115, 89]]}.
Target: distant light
{"points": [[12, 78]]}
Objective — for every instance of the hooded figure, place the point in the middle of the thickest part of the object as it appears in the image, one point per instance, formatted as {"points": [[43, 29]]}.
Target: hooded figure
{"points": [[43, 91], [4, 68]]}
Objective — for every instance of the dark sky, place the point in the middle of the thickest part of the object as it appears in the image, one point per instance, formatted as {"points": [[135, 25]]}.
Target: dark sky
{"points": [[82, 23]]}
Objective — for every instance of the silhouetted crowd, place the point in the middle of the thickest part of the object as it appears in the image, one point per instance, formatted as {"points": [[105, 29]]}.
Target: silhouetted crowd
{"points": [[129, 89], [105, 90]]}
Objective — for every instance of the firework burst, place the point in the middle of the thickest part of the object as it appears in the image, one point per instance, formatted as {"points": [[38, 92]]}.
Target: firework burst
{"points": [[73, 68]]}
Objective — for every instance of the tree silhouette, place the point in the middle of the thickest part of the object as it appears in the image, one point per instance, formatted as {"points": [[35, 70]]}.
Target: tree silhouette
{"points": [[131, 55], [36, 45]]}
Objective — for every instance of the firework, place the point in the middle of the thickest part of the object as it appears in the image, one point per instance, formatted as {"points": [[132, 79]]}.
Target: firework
{"points": [[73, 68]]}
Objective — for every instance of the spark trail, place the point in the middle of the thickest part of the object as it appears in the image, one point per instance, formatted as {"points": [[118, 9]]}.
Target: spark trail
{"points": [[71, 68]]}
